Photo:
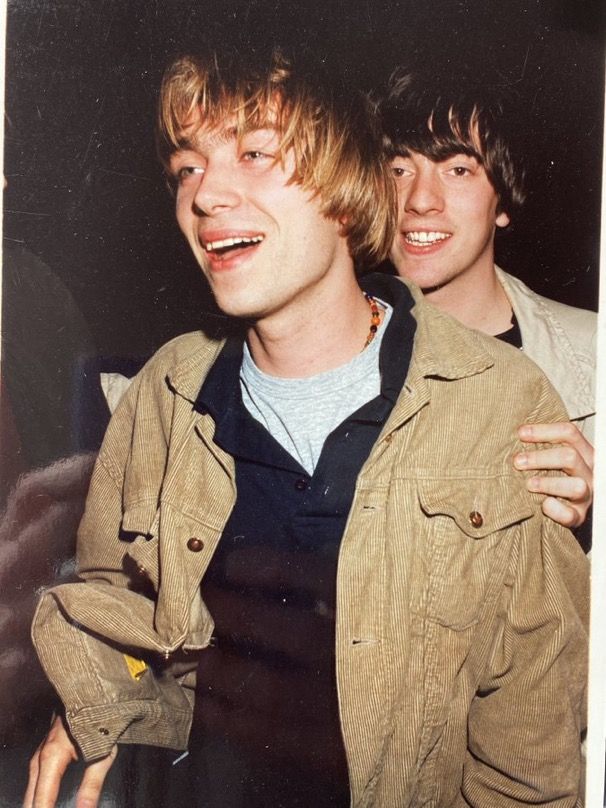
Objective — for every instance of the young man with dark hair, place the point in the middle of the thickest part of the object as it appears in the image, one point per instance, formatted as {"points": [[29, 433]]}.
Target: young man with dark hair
{"points": [[458, 180], [305, 542]]}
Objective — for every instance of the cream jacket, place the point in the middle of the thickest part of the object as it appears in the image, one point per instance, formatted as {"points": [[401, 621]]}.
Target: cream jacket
{"points": [[562, 341], [461, 612]]}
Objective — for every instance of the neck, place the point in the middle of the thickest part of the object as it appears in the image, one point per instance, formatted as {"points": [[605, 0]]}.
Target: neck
{"points": [[475, 299], [323, 329]]}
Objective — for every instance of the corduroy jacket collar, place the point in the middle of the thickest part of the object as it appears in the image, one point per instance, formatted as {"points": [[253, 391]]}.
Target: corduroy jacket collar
{"points": [[442, 348]]}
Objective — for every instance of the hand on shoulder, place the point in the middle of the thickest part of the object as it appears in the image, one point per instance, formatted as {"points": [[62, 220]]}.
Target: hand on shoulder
{"points": [[569, 497]]}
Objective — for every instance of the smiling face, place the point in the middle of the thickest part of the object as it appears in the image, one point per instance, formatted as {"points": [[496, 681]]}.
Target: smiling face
{"points": [[447, 215], [262, 242]]}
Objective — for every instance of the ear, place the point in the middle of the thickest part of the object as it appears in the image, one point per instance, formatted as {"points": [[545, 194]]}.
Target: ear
{"points": [[502, 219], [343, 222]]}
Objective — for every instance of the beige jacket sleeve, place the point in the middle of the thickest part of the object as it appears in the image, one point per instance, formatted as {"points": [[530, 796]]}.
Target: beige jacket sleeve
{"points": [[97, 640]]}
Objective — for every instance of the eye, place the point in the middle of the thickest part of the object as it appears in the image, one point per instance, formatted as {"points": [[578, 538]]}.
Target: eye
{"points": [[255, 156], [184, 173], [259, 147], [400, 171], [460, 171]]}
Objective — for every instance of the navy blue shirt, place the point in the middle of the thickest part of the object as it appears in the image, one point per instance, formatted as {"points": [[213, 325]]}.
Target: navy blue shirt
{"points": [[513, 335], [266, 728]]}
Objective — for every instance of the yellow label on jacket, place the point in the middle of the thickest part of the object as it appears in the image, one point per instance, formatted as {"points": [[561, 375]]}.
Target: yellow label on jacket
{"points": [[136, 667]]}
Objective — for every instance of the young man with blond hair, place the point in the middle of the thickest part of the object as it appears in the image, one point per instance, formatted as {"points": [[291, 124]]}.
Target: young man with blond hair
{"points": [[306, 556]]}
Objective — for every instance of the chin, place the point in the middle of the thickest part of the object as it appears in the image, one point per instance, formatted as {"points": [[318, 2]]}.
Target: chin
{"points": [[429, 290], [233, 309], [426, 281], [238, 308]]}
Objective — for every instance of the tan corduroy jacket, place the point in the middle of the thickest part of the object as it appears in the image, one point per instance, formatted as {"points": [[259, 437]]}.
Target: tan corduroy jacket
{"points": [[461, 611]]}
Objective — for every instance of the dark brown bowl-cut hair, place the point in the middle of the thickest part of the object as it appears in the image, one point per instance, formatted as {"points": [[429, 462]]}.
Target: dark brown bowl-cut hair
{"points": [[438, 119], [331, 130]]}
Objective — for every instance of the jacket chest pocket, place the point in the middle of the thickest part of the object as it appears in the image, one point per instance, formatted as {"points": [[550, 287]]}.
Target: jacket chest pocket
{"points": [[472, 524]]}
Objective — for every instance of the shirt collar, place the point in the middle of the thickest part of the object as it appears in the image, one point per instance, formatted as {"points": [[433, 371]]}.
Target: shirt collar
{"points": [[442, 348], [220, 390], [396, 348]]}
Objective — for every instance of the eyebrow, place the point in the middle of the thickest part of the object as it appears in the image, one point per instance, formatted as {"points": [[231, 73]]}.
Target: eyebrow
{"points": [[193, 142]]}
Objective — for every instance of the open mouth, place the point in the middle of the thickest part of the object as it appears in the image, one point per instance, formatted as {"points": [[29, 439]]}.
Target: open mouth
{"points": [[219, 248], [425, 238]]}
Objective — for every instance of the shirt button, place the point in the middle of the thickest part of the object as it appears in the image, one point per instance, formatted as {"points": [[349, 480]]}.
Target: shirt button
{"points": [[195, 545], [476, 519], [301, 484]]}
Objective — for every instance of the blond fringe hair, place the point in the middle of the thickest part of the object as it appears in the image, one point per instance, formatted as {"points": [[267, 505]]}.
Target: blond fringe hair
{"points": [[333, 136]]}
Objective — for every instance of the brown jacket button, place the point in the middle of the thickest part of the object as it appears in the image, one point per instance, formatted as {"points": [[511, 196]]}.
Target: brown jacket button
{"points": [[476, 519], [195, 545]]}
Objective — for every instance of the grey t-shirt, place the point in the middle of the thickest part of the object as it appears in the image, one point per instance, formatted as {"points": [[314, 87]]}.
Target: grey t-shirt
{"points": [[301, 413]]}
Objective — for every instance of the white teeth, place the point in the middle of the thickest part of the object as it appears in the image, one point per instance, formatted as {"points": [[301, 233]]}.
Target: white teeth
{"points": [[221, 244], [426, 237]]}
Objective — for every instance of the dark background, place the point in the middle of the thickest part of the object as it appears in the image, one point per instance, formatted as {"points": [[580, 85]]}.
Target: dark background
{"points": [[86, 194]]}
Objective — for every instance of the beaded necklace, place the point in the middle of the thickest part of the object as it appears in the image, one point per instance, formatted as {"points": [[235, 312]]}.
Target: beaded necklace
{"points": [[375, 318]]}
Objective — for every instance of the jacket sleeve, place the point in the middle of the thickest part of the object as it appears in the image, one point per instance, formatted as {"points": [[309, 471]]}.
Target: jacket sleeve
{"points": [[96, 640], [109, 696], [527, 719]]}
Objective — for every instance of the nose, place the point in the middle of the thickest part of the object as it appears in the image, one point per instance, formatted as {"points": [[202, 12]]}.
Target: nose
{"points": [[217, 190], [424, 194]]}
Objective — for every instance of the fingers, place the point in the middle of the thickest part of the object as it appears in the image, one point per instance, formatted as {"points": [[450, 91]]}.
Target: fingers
{"points": [[574, 500], [563, 432], [28, 799], [48, 766], [92, 782], [563, 458], [573, 456], [563, 513], [573, 489]]}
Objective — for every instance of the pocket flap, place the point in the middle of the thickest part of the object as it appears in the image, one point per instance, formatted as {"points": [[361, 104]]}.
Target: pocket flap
{"points": [[479, 506], [141, 519]]}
